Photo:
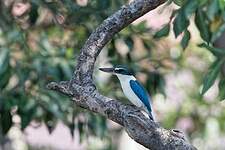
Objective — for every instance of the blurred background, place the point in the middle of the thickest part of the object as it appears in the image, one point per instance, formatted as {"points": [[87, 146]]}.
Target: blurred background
{"points": [[177, 52]]}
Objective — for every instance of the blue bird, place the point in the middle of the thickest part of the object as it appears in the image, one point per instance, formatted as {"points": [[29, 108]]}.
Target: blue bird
{"points": [[132, 89]]}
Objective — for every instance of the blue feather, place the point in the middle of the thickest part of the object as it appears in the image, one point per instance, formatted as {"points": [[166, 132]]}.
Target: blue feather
{"points": [[141, 93]]}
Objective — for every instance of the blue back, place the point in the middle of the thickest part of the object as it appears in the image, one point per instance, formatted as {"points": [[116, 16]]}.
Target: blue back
{"points": [[141, 93]]}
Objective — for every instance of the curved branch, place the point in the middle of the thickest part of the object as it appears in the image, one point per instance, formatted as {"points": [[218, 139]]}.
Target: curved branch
{"points": [[83, 92], [104, 33]]}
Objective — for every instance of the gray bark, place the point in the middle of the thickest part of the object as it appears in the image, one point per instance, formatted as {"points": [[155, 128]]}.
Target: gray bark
{"points": [[83, 92]]}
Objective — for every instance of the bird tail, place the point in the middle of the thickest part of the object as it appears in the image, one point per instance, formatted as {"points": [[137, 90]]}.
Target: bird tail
{"points": [[150, 116], [149, 112]]}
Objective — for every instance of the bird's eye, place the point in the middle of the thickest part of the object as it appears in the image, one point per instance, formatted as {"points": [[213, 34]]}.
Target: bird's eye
{"points": [[122, 71], [119, 70]]}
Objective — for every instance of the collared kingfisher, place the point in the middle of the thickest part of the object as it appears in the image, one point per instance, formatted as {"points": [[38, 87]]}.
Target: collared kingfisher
{"points": [[132, 89]]}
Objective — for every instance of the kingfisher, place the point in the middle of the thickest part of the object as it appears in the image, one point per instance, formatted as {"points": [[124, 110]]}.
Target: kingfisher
{"points": [[132, 89]]}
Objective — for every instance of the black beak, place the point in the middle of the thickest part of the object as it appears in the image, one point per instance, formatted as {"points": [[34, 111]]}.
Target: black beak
{"points": [[109, 70]]}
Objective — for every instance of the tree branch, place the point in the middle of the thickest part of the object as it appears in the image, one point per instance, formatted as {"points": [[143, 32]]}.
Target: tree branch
{"points": [[84, 93]]}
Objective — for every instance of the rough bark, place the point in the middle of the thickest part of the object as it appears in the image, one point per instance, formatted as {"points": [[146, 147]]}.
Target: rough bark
{"points": [[83, 92]]}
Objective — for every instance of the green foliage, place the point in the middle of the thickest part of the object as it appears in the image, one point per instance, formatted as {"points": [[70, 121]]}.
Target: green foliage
{"points": [[5, 67], [209, 19], [222, 89], [179, 2], [202, 24], [45, 51], [212, 74], [180, 23], [186, 38], [215, 51], [32, 57], [163, 32], [5, 121]]}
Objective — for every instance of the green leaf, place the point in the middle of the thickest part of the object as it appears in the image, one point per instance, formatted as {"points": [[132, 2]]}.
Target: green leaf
{"points": [[213, 9], [103, 4], [130, 43], [111, 48], [4, 67], [216, 51], [163, 32], [50, 121], [4, 79], [33, 15], [185, 40], [25, 120], [162, 85], [190, 7], [222, 4], [67, 71], [179, 2], [4, 60], [26, 109], [212, 75], [139, 28], [51, 124], [202, 2], [180, 23], [222, 89], [5, 121], [80, 127], [202, 25]]}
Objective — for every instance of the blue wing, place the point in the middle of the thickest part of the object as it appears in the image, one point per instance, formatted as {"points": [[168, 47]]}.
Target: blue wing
{"points": [[141, 93]]}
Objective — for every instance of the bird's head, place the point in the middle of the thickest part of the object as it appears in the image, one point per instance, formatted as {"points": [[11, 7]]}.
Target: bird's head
{"points": [[118, 70]]}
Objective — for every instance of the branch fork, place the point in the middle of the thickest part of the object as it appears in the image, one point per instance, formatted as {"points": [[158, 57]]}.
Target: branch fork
{"points": [[83, 92]]}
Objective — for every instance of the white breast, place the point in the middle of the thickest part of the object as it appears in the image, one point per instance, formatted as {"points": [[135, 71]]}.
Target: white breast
{"points": [[128, 92]]}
